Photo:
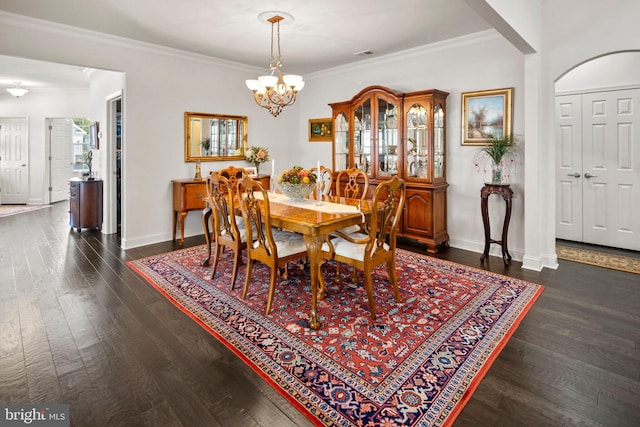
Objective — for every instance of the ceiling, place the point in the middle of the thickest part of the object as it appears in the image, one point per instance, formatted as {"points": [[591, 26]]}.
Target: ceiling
{"points": [[323, 34]]}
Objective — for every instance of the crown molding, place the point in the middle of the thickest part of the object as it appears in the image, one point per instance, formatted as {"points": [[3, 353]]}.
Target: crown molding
{"points": [[456, 42], [34, 24]]}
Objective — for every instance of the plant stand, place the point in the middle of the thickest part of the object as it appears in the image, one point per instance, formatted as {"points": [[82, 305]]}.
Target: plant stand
{"points": [[507, 195]]}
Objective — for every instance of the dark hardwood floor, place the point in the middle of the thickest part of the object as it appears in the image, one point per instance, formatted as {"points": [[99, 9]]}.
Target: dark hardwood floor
{"points": [[78, 327]]}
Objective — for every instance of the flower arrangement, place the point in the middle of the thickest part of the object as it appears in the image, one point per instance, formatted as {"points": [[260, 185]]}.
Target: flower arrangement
{"points": [[297, 175], [257, 155]]}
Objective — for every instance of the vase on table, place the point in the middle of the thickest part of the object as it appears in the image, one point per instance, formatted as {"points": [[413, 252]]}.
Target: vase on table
{"points": [[257, 165], [297, 192]]}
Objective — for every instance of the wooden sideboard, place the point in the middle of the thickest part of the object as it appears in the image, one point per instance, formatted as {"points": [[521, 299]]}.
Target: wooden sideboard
{"points": [[189, 195], [85, 204]]}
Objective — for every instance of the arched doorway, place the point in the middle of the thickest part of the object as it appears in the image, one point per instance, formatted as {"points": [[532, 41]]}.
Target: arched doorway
{"points": [[597, 133]]}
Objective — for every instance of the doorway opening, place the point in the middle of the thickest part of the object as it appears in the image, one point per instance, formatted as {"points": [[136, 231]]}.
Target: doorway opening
{"points": [[597, 140], [69, 147], [115, 159], [14, 156]]}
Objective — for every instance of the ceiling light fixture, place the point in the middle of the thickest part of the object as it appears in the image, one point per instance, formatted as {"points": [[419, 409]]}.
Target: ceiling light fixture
{"points": [[274, 92], [17, 90]]}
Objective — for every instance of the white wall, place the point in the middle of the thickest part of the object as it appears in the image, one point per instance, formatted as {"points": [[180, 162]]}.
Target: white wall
{"points": [[613, 71], [38, 105], [574, 31], [161, 84], [484, 61]]}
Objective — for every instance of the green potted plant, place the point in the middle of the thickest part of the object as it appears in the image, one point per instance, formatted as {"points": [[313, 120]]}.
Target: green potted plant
{"points": [[500, 152], [206, 144]]}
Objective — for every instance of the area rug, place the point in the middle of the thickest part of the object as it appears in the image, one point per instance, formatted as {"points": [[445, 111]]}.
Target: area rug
{"points": [[599, 259], [417, 365], [6, 210]]}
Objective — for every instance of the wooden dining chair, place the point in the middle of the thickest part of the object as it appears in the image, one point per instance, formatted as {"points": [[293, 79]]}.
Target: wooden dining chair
{"points": [[352, 188], [325, 177], [271, 246], [228, 229], [377, 245], [233, 175]]}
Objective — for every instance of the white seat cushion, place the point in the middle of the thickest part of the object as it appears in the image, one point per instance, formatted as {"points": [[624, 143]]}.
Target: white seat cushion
{"points": [[348, 249], [350, 229], [288, 243], [241, 228], [240, 222]]}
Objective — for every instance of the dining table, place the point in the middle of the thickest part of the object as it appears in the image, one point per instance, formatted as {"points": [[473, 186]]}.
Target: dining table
{"points": [[315, 220]]}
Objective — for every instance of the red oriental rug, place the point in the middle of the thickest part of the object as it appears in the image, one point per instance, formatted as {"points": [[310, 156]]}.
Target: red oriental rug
{"points": [[416, 366]]}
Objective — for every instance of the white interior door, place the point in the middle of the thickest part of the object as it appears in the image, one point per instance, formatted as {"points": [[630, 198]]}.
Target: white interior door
{"points": [[569, 171], [598, 175], [61, 142], [14, 160], [611, 168]]}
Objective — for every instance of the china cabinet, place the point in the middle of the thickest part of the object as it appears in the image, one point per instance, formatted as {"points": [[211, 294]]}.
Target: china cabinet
{"points": [[366, 134], [386, 133]]}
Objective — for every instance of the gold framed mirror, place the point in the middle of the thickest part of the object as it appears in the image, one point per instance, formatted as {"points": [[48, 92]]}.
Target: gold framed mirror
{"points": [[214, 137]]}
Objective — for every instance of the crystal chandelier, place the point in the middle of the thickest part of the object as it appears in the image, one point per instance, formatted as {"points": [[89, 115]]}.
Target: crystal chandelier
{"points": [[17, 90], [275, 91]]}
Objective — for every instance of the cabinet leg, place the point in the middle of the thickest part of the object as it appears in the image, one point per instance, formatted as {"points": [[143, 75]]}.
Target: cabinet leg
{"points": [[175, 221], [181, 222]]}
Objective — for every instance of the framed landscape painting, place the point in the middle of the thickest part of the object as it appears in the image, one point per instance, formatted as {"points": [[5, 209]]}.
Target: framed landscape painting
{"points": [[486, 112], [320, 130]]}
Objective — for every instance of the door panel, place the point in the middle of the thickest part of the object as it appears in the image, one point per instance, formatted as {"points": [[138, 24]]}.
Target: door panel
{"points": [[611, 159], [416, 219], [14, 166], [569, 171], [61, 139]]}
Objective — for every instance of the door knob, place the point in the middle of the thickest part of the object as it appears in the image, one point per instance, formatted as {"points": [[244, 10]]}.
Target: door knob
{"points": [[588, 175], [24, 164], [575, 175]]}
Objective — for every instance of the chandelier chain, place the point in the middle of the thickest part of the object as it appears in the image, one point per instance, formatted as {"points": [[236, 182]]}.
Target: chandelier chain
{"points": [[277, 91]]}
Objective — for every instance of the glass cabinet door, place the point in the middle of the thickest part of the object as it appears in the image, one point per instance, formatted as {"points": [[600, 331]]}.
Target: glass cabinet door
{"points": [[417, 149], [438, 142], [362, 137], [341, 144], [387, 149]]}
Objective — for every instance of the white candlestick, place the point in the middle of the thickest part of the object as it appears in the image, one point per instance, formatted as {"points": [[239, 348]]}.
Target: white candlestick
{"points": [[318, 185], [273, 167]]}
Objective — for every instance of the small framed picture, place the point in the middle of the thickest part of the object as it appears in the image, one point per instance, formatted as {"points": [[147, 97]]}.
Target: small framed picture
{"points": [[251, 170], [320, 130], [94, 140], [486, 112]]}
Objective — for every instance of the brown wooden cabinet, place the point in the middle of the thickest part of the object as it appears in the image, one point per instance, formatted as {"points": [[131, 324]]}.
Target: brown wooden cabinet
{"points": [[85, 204], [188, 195], [366, 134], [387, 133]]}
